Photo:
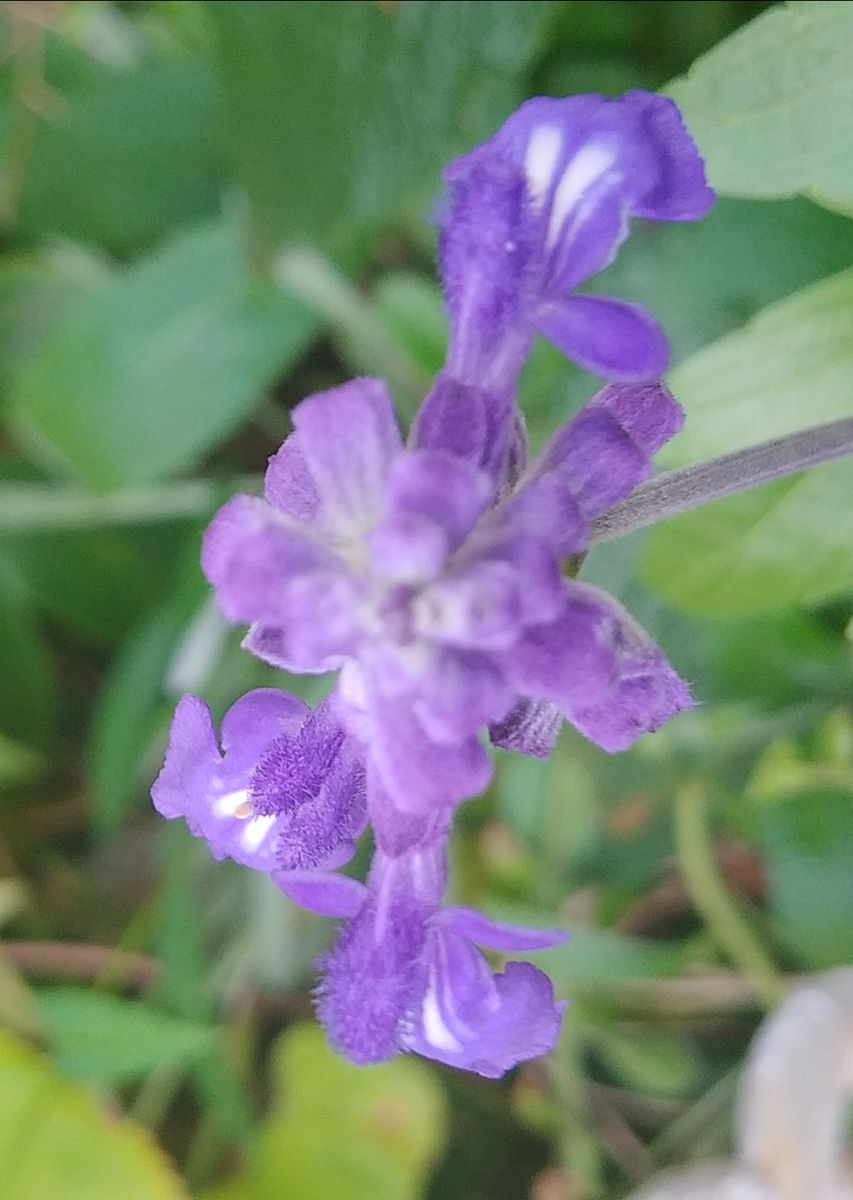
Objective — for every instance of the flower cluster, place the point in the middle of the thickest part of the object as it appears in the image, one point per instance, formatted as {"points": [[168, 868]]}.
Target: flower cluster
{"points": [[428, 574]]}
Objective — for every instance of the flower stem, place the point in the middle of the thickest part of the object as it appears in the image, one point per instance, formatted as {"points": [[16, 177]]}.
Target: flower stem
{"points": [[676, 492], [718, 909]]}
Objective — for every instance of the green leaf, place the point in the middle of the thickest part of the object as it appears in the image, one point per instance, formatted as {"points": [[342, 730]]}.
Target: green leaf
{"points": [[156, 368], [788, 543], [648, 1060], [707, 278], [97, 583], [772, 106], [386, 93], [17, 1002], [34, 295], [412, 310], [124, 160], [791, 541], [28, 698], [127, 706], [789, 368], [806, 841], [106, 1038], [56, 1141], [340, 1131]]}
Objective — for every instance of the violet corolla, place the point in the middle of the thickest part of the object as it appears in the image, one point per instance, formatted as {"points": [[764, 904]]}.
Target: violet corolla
{"points": [[428, 573]]}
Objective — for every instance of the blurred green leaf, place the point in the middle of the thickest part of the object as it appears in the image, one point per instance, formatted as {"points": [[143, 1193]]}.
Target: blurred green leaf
{"points": [[124, 160], [340, 1131], [412, 309], [34, 295], [787, 543], [28, 698], [789, 368], [772, 106], [790, 542], [648, 1060], [707, 278], [124, 715], [157, 367], [64, 574], [806, 840], [17, 1002], [56, 1141], [388, 93], [109, 1039]]}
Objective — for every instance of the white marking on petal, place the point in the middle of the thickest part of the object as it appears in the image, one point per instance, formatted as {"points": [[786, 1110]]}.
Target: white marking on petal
{"points": [[540, 162], [254, 831], [227, 805], [587, 166], [435, 1029]]}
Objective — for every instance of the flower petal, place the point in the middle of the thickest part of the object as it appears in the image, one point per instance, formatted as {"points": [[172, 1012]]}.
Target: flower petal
{"points": [[498, 935], [608, 337], [349, 438], [532, 727], [322, 892], [271, 644], [313, 782], [471, 422], [288, 485], [440, 487], [478, 1021], [419, 774], [604, 672], [649, 413], [251, 556], [461, 694], [546, 508], [597, 460], [375, 974]]}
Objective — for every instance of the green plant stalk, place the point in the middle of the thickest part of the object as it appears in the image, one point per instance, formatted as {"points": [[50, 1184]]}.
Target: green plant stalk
{"points": [[366, 342], [580, 1152], [717, 907]]}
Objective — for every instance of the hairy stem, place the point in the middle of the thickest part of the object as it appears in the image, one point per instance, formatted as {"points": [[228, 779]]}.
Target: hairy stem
{"points": [[679, 491]]}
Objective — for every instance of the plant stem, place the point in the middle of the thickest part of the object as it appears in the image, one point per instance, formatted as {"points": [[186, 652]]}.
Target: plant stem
{"points": [[717, 907], [579, 1149], [366, 342], [676, 492], [38, 507]]}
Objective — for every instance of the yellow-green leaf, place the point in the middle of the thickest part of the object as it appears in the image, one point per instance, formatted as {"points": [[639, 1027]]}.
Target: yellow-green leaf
{"points": [[55, 1141]]}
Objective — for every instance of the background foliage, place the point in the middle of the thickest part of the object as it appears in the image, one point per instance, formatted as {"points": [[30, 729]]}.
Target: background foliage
{"points": [[208, 210]]}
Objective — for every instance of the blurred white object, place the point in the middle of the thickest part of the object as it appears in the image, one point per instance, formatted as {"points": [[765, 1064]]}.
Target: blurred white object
{"points": [[792, 1107]]}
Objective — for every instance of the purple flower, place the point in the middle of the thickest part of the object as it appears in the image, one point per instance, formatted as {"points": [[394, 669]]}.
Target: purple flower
{"points": [[285, 793], [430, 577], [445, 608], [406, 975], [542, 206]]}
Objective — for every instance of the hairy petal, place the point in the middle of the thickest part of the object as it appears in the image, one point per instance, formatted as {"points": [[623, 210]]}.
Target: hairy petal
{"points": [[349, 439], [211, 791], [597, 460], [649, 413], [531, 727], [420, 774], [288, 485]]}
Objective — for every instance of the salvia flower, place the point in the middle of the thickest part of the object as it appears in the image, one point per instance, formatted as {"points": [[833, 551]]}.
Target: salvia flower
{"points": [[540, 208], [429, 575], [406, 974], [445, 610]]}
